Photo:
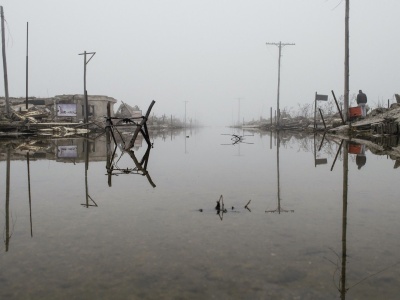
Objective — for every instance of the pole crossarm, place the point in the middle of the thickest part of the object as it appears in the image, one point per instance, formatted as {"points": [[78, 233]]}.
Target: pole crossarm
{"points": [[281, 44], [93, 53]]}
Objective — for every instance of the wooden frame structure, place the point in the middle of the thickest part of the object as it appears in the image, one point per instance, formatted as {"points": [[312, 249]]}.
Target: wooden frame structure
{"points": [[141, 126], [139, 122]]}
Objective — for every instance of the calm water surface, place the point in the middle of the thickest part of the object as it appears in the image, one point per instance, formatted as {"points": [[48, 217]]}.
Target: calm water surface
{"points": [[69, 235]]}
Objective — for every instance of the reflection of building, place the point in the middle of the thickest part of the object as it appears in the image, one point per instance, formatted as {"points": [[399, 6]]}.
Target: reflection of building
{"points": [[61, 150], [73, 150]]}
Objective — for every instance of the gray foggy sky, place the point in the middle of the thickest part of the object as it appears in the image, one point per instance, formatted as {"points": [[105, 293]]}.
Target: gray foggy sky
{"points": [[208, 52]]}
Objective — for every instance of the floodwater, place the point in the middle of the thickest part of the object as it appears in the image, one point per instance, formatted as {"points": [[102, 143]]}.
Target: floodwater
{"points": [[78, 227]]}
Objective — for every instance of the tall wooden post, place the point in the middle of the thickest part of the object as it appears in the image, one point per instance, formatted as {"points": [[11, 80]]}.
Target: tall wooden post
{"points": [[280, 45], [279, 84], [86, 104], [315, 111], [346, 62], [270, 114], [4, 62], [27, 32]]}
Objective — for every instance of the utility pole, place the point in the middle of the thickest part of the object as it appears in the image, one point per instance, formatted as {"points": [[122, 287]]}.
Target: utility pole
{"points": [[346, 62], [185, 112], [280, 45], [4, 62], [239, 111], [86, 106], [27, 32]]}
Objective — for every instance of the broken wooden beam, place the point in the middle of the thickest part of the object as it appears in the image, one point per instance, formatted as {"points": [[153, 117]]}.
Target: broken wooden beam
{"points": [[140, 129]]}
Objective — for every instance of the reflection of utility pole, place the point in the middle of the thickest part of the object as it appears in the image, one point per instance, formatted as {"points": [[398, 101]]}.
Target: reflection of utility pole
{"points": [[344, 221], [7, 241], [86, 153], [29, 191], [279, 209], [280, 45], [86, 106]]}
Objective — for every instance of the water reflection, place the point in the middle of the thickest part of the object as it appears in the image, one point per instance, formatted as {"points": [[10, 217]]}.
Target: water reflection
{"points": [[140, 168], [86, 150], [237, 139], [279, 209], [342, 287], [8, 234], [158, 240], [349, 148], [29, 192]]}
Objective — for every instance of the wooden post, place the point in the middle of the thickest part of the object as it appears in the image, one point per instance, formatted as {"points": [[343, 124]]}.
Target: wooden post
{"points": [[337, 105], [27, 32], [86, 105], [346, 62], [86, 116], [270, 113], [4, 62], [139, 129], [315, 111]]}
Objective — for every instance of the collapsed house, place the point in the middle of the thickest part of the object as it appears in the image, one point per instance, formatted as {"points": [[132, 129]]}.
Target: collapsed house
{"points": [[127, 111], [60, 108]]}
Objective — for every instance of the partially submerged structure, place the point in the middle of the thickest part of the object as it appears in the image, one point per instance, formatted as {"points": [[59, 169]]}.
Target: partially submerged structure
{"points": [[60, 108], [61, 111]]}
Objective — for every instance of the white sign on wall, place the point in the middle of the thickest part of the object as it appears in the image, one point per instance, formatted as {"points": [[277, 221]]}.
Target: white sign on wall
{"points": [[67, 151], [66, 110]]}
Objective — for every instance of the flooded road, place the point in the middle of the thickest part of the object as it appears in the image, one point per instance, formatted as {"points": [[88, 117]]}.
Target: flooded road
{"points": [[322, 222]]}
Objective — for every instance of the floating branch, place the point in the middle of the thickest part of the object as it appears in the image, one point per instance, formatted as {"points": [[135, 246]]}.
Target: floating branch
{"points": [[247, 206], [236, 139], [220, 203]]}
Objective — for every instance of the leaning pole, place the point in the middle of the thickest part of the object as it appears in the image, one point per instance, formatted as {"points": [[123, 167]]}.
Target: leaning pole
{"points": [[4, 62]]}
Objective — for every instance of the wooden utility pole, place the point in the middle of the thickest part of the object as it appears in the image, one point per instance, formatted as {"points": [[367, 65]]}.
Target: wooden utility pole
{"points": [[185, 112], [280, 45], [239, 111], [346, 62], [27, 32], [4, 62], [86, 106]]}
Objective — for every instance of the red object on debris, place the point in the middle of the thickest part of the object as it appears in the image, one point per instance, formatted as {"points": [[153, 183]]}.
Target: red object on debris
{"points": [[355, 112], [355, 149]]}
